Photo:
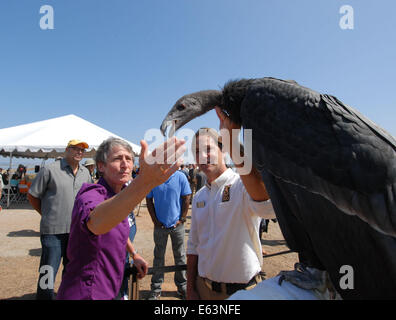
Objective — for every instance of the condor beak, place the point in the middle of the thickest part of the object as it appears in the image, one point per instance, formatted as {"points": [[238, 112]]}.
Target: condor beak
{"points": [[171, 124]]}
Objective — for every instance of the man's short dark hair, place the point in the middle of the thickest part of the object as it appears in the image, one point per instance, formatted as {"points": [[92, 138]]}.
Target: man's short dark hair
{"points": [[206, 132]]}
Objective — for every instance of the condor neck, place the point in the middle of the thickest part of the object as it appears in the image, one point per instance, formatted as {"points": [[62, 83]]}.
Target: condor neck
{"points": [[210, 99]]}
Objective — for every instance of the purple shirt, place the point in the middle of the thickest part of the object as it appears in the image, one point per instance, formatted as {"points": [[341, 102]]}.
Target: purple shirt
{"points": [[96, 263]]}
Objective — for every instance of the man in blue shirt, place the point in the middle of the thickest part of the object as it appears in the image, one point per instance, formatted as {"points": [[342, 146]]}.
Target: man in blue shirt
{"points": [[168, 212]]}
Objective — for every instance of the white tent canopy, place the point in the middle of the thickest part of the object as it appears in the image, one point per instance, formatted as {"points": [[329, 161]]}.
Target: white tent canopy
{"points": [[48, 138]]}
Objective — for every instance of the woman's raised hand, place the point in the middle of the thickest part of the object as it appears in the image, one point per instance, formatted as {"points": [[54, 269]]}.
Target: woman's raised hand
{"points": [[156, 167]]}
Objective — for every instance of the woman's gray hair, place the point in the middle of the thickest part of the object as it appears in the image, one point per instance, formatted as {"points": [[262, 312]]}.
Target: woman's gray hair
{"points": [[106, 146]]}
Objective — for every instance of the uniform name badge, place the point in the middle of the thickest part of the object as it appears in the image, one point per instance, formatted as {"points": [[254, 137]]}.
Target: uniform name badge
{"points": [[200, 204]]}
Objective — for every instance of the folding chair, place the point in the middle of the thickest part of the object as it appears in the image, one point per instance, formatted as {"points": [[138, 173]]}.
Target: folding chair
{"points": [[3, 198], [13, 195]]}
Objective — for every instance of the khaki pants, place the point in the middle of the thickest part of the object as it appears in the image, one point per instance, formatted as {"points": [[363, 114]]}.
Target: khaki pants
{"points": [[208, 294]]}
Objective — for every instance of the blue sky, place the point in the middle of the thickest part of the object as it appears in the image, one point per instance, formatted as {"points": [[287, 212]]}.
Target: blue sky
{"points": [[122, 64]]}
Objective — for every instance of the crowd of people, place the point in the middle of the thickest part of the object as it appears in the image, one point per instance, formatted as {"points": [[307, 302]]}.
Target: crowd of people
{"points": [[1, 185], [88, 224], [14, 179]]}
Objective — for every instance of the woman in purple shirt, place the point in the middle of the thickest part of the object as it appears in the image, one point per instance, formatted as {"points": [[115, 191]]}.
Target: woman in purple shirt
{"points": [[99, 228]]}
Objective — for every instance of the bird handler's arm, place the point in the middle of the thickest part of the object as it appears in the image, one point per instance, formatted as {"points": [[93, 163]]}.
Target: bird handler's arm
{"points": [[252, 181]]}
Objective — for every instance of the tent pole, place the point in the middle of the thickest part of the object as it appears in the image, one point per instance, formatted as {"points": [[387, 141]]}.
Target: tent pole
{"points": [[9, 182]]}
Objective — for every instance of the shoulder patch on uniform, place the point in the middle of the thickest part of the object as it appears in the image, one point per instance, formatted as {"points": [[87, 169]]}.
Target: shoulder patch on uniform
{"points": [[226, 194]]}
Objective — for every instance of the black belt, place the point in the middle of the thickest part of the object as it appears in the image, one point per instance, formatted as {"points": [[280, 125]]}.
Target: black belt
{"points": [[231, 288]]}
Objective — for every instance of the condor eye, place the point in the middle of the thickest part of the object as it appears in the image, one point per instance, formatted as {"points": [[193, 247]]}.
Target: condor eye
{"points": [[180, 107]]}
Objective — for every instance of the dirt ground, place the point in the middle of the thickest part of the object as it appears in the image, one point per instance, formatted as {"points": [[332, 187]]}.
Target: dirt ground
{"points": [[20, 251]]}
